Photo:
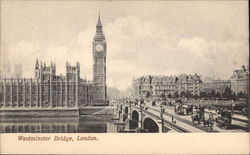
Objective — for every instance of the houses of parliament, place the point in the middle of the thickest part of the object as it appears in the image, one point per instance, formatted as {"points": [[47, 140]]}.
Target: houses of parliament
{"points": [[48, 90]]}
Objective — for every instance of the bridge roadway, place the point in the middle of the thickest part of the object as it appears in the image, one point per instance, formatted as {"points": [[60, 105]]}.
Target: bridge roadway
{"points": [[184, 122], [239, 123], [179, 125]]}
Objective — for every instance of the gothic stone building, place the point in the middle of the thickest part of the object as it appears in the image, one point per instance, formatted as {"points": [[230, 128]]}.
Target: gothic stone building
{"points": [[47, 90]]}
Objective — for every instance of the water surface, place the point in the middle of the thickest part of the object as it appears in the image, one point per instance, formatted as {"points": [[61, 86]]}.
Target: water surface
{"points": [[82, 124]]}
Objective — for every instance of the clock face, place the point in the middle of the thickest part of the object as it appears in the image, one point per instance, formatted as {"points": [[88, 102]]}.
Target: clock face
{"points": [[99, 48]]}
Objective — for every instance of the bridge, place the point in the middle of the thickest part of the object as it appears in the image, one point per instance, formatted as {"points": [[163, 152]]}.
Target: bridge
{"points": [[149, 120], [158, 119]]}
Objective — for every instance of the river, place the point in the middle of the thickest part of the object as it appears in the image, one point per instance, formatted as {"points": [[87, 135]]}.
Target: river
{"points": [[81, 124]]}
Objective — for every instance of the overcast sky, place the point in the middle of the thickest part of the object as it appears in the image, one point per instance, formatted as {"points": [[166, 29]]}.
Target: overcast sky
{"points": [[144, 37]]}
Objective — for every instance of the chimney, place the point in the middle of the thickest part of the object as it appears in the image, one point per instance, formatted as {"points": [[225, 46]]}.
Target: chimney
{"points": [[244, 68]]}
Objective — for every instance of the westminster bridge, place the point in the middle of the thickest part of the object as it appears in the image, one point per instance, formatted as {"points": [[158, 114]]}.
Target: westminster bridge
{"points": [[145, 119], [139, 117]]}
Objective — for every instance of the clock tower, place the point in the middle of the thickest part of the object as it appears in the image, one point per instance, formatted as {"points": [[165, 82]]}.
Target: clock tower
{"points": [[99, 66]]}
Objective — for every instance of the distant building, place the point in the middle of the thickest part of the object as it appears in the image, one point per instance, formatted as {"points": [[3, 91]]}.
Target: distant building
{"points": [[7, 72], [219, 86], [155, 86], [146, 87], [189, 83], [142, 86], [164, 85], [6, 69], [17, 72], [240, 80]]}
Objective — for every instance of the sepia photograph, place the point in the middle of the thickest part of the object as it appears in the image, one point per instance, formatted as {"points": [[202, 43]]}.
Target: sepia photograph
{"points": [[127, 67]]}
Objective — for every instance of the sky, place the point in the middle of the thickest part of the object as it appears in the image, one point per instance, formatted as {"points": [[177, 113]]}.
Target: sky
{"points": [[209, 38]]}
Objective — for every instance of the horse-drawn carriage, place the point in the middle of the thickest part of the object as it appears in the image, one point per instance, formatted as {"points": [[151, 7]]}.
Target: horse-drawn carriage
{"points": [[199, 113], [224, 120], [181, 109], [244, 111], [199, 117], [153, 103]]}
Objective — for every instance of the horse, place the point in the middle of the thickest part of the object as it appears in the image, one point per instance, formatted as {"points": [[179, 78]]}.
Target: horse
{"points": [[189, 109], [209, 122], [197, 117], [153, 104]]}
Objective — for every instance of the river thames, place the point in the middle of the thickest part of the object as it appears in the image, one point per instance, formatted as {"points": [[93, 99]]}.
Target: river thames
{"points": [[81, 124]]}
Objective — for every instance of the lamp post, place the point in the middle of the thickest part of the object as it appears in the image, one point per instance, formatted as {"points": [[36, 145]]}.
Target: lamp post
{"points": [[140, 116], [118, 109], [233, 105], [161, 115], [129, 110]]}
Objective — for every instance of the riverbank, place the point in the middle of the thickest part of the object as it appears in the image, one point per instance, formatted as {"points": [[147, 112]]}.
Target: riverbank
{"points": [[34, 113], [96, 110]]}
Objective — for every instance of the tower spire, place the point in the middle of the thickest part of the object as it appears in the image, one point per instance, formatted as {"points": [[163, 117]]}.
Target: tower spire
{"points": [[99, 16], [99, 23], [99, 30]]}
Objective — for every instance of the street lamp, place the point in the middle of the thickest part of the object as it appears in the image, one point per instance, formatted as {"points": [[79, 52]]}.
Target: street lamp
{"points": [[161, 115], [140, 104], [140, 116]]}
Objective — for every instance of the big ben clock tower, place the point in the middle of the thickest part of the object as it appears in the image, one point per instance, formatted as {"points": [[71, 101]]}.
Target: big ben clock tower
{"points": [[99, 66]]}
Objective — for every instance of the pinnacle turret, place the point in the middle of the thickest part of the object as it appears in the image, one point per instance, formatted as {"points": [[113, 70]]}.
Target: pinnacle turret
{"points": [[37, 64]]}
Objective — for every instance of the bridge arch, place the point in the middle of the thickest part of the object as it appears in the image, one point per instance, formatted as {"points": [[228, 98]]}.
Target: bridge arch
{"points": [[150, 125], [135, 119], [135, 115]]}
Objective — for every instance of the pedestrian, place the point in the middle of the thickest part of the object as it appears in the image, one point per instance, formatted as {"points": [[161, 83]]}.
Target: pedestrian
{"points": [[232, 105]]}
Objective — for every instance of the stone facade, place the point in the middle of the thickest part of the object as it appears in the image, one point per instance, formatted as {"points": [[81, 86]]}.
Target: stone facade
{"points": [[47, 90], [240, 80], [136, 82], [155, 86], [189, 83], [146, 87], [164, 85], [219, 86]]}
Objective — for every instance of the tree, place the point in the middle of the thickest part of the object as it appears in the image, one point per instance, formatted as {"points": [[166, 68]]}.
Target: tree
{"points": [[183, 94], [227, 93], [203, 95], [176, 94], [163, 96], [242, 94], [218, 95], [245, 95], [212, 94], [196, 96], [169, 96], [189, 94], [233, 96]]}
